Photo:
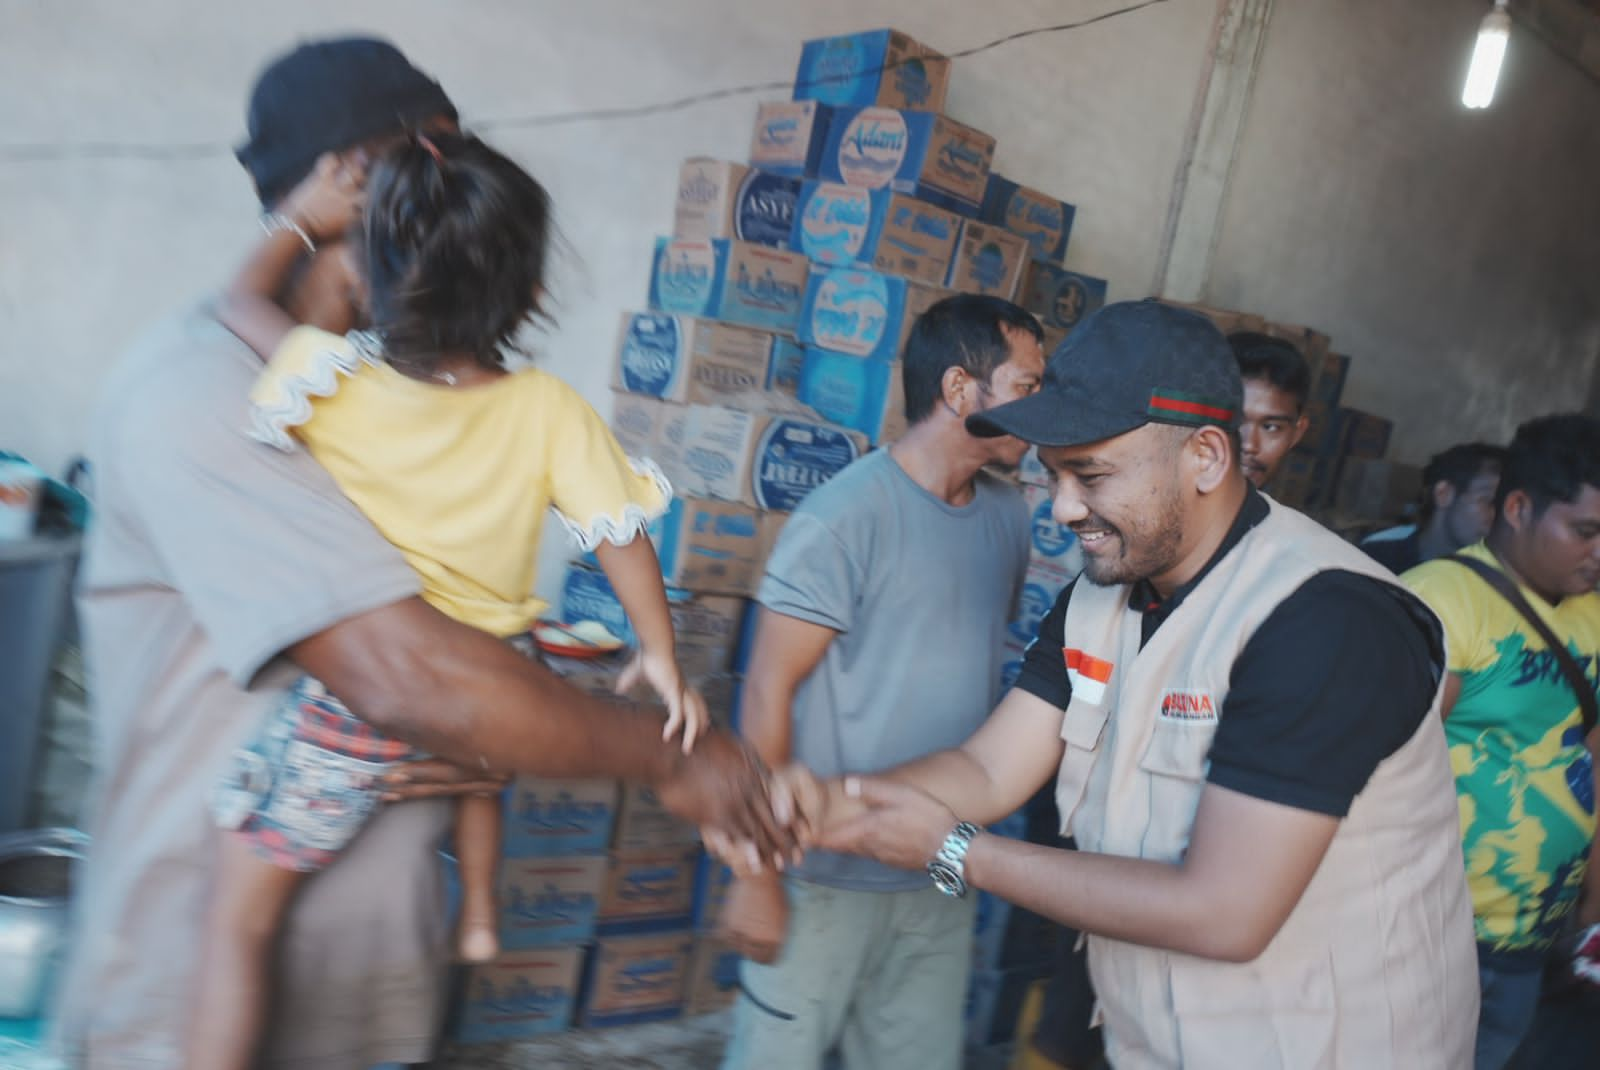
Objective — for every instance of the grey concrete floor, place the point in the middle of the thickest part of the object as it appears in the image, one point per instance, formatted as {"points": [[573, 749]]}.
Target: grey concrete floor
{"points": [[687, 1044]]}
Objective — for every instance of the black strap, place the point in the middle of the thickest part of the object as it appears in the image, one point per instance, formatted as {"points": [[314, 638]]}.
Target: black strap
{"points": [[1569, 666]]}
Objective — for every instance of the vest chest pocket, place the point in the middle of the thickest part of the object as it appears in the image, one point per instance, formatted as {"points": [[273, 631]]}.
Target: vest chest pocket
{"points": [[1082, 727], [1175, 761]]}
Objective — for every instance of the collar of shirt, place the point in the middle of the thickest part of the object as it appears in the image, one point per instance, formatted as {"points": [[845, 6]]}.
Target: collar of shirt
{"points": [[1147, 600]]}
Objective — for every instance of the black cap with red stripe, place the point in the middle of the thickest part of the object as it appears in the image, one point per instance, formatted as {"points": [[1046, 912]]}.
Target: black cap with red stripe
{"points": [[1127, 365]]}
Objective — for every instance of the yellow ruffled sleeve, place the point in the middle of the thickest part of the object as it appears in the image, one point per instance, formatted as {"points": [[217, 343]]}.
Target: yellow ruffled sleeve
{"points": [[598, 491], [309, 363]]}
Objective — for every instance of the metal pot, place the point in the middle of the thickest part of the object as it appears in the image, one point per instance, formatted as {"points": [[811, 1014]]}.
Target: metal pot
{"points": [[35, 886]]}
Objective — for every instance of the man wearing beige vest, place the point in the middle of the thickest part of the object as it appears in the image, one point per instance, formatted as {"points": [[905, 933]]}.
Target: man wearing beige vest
{"points": [[1241, 714]]}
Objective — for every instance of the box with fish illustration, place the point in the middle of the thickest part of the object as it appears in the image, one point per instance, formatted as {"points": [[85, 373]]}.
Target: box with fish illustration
{"points": [[681, 358], [734, 281], [789, 136], [842, 225], [521, 994], [546, 816], [1060, 298], [884, 68], [926, 155], [648, 887], [722, 199], [639, 978], [862, 313], [1043, 220], [863, 395], [988, 260], [549, 902]]}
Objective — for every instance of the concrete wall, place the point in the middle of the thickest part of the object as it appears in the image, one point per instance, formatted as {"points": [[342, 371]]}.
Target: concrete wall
{"points": [[1454, 254]]}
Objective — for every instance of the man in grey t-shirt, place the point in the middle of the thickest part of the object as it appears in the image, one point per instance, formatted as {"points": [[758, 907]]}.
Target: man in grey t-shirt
{"points": [[217, 570], [882, 616]]}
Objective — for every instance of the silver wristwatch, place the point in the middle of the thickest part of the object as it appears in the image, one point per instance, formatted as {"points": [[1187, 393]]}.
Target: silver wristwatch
{"points": [[949, 867]]}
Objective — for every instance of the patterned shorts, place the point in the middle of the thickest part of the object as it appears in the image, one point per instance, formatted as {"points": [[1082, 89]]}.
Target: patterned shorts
{"points": [[306, 783]]}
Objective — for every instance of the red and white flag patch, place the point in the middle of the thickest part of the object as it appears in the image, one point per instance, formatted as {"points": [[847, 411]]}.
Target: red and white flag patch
{"points": [[1088, 675]]}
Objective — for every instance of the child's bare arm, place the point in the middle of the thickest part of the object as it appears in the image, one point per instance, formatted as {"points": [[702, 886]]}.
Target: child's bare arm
{"points": [[322, 207]]}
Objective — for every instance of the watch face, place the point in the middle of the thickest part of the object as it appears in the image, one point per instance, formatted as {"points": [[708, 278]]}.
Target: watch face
{"points": [[946, 879]]}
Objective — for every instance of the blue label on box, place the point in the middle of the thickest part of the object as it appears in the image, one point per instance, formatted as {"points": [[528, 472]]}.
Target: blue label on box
{"points": [[545, 917], [1009, 673], [788, 356], [1062, 298], [1050, 539], [687, 276], [762, 300], [789, 137], [794, 457], [763, 210], [846, 390], [872, 147], [506, 1006], [855, 312], [842, 70], [989, 266], [547, 821], [1034, 604], [1045, 222], [835, 223], [652, 354], [587, 595]]}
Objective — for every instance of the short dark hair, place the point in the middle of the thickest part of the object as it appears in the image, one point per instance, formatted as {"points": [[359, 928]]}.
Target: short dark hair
{"points": [[1262, 356], [1552, 459], [966, 331], [456, 240]]}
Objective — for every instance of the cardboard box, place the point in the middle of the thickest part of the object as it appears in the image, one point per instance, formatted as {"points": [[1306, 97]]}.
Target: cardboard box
{"points": [[789, 137], [928, 156], [859, 312], [1293, 484], [1378, 490], [549, 902], [707, 626], [713, 977], [769, 462], [640, 425], [712, 880], [783, 375], [1365, 435], [721, 693], [844, 226], [1043, 220], [1038, 597], [1012, 654], [734, 281], [863, 395], [521, 994], [1060, 298], [1051, 542], [683, 359], [643, 824], [885, 68], [1032, 472], [648, 889], [989, 260], [1329, 387], [548, 816], [722, 199], [633, 979], [710, 546]]}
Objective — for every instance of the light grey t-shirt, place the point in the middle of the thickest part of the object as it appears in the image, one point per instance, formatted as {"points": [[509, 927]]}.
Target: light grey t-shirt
{"points": [[209, 554], [920, 592]]}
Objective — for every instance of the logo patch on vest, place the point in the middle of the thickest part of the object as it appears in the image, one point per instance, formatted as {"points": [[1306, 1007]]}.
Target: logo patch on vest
{"points": [[1087, 674], [1188, 707]]}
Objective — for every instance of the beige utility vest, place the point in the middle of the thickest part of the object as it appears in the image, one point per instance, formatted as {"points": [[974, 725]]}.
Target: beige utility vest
{"points": [[1376, 966]]}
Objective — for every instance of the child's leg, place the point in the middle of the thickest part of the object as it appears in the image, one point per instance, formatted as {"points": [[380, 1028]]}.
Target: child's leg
{"points": [[229, 1011], [478, 860]]}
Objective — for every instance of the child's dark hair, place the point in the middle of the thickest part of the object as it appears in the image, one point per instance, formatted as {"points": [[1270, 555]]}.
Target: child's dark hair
{"points": [[456, 237]]}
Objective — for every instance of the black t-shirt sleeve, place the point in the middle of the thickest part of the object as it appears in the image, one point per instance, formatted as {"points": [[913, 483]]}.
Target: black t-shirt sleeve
{"points": [[1334, 681], [1044, 669]]}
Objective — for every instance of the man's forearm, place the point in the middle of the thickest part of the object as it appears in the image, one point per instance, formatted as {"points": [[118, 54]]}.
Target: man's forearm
{"points": [[957, 779], [415, 674], [1130, 899]]}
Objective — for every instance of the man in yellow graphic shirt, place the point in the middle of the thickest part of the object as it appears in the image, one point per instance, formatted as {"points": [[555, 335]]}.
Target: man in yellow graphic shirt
{"points": [[1523, 767]]}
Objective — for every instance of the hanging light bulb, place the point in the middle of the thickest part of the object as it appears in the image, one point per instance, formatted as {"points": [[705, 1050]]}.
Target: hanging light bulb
{"points": [[1486, 56]]}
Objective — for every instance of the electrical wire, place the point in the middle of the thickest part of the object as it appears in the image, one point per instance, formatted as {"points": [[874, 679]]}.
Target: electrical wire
{"points": [[201, 150]]}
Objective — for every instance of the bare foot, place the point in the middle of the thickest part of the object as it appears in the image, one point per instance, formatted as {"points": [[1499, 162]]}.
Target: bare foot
{"points": [[477, 943]]}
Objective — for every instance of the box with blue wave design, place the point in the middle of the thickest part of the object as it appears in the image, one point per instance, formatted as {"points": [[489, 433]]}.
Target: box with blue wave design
{"points": [[635, 979], [879, 67], [520, 994], [926, 155], [1044, 221], [788, 137], [550, 902], [649, 889], [863, 395], [858, 312], [734, 281], [842, 225]]}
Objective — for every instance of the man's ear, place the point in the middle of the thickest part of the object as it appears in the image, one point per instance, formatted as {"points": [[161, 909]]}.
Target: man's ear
{"points": [[1211, 456]]}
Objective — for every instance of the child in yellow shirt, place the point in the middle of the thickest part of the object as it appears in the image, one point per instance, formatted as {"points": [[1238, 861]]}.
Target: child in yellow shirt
{"points": [[457, 461]]}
